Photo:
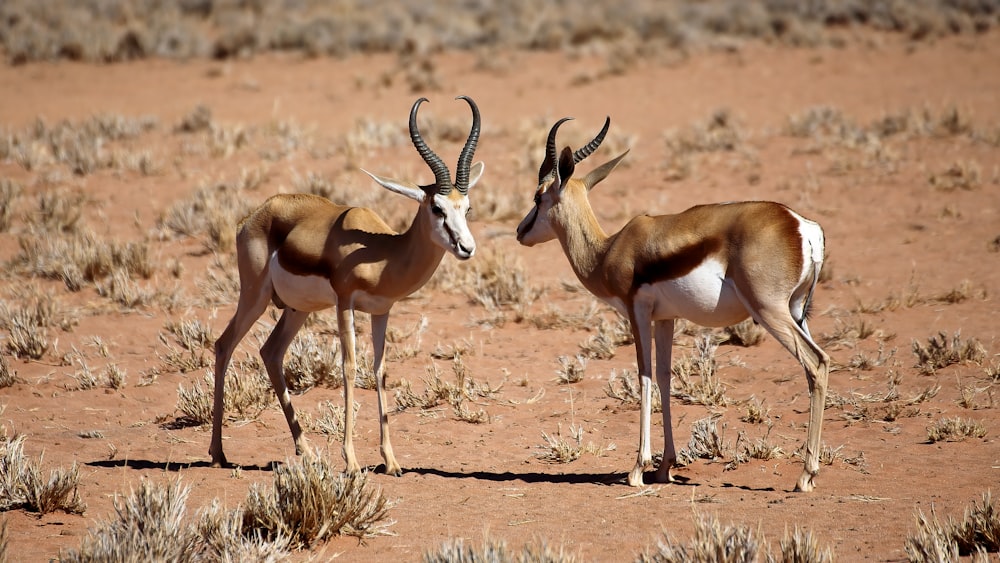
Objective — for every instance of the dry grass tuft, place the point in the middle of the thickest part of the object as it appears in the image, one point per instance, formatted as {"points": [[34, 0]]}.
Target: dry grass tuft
{"points": [[246, 396], [802, 546], [712, 541], [955, 429], [310, 501], [977, 534], [706, 442], [626, 388], [495, 550], [22, 484], [746, 333], [695, 378], [610, 335], [10, 191], [941, 352], [558, 449], [571, 370], [330, 422], [8, 376]]}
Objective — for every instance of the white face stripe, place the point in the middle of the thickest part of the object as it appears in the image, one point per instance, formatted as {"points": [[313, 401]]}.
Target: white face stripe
{"points": [[451, 231]]}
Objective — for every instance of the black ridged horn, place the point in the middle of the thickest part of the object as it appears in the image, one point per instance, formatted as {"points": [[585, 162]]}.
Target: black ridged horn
{"points": [[590, 147], [465, 158], [551, 157], [442, 177]]}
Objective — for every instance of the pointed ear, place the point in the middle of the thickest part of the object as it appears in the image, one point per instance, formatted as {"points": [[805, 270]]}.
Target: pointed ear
{"points": [[602, 171], [566, 166], [476, 172], [409, 189]]}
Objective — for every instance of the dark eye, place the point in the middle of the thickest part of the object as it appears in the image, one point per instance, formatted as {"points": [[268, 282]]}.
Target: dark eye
{"points": [[538, 199], [468, 212], [435, 209]]}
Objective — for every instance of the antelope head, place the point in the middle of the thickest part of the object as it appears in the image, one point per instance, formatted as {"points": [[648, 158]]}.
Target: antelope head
{"points": [[444, 204], [556, 183]]}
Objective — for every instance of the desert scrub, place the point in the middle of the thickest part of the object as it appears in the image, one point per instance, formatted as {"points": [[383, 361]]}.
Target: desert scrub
{"points": [[23, 486], [942, 351], [246, 396], [10, 191], [494, 549], [955, 429], [976, 534], [559, 449], [706, 442], [81, 257], [695, 378], [626, 389], [310, 501], [713, 541]]}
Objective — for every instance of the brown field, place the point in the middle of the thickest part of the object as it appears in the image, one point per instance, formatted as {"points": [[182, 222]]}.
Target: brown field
{"points": [[124, 182]]}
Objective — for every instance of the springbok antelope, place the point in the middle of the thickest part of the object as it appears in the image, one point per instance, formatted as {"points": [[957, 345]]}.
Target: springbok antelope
{"points": [[714, 265], [305, 254]]}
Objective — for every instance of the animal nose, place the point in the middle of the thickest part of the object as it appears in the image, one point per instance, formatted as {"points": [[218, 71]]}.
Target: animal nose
{"points": [[466, 252]]}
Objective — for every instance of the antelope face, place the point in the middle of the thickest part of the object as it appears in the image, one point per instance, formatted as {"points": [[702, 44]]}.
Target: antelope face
{"points": [[536, 227], [450, 225]]}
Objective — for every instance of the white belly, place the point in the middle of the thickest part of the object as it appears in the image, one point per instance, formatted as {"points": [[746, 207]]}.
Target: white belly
{"points": [[703, 297], [302, 293]]}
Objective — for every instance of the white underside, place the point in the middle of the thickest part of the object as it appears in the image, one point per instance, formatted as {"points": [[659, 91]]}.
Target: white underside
{"points": [[703, 296], [314, 293], [303, 293]]}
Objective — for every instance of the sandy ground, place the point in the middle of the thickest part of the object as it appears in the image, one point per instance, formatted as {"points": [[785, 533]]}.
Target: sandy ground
{"points": [[893, 237]]}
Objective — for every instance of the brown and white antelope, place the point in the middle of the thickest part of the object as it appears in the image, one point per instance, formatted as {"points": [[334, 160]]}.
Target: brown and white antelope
{"points": [[304, 253], [714, 265]]}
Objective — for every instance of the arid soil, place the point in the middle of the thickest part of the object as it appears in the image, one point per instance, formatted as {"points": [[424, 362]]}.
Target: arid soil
{"points": [[911, 220]]}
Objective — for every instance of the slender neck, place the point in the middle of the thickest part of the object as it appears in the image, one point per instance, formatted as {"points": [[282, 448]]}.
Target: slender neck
{"points": [[583, 240], [418, 256]]}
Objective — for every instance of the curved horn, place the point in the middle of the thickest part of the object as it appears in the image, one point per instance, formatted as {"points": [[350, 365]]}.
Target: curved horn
{"points": [[551, 158], [590, 147], [465, 158], [442, 177]]}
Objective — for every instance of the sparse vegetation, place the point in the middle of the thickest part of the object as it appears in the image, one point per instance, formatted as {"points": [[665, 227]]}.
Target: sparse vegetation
{"points": [[955, 429], [978, 533], [23, 486], [941, 352], [496, 550], [558, 449]]}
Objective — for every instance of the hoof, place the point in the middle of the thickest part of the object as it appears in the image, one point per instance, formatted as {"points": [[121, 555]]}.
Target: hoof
{"points": [[806, 483], [395, 470]]}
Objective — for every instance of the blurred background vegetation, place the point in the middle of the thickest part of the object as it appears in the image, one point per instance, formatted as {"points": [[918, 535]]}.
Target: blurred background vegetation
{"points": [[121, 30]]}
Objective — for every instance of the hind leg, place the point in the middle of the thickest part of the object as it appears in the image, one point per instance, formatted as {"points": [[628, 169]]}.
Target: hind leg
{"points": [[817, 366], [251, 306], [273, 353]]}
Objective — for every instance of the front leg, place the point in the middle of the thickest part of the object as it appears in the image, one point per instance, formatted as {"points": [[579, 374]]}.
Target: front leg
{"points": [[640, 323], [345, 323], [663, 335], [379, 325]]}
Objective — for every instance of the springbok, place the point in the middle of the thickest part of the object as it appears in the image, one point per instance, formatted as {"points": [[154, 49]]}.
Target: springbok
{"points": [[714, 265], [304, 253]]}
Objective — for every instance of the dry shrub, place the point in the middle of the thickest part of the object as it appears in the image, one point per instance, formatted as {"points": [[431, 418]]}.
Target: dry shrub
{"points": [[3, 541], [81, 257], [571, 370], [211, 213], [712, 541], [961, 175], [955, 429], [331, 420], [23, 486], [720, 132], [498, 281], [10, 191], [802, 546], [8, 376], [610, 335], [760, 448], [941, 352], [310, 501], [496, 550], [247, 394], [696, 381], [706, 442], [313, 360], [558, 449], [746, 333], [977, 534], [626, 389]]}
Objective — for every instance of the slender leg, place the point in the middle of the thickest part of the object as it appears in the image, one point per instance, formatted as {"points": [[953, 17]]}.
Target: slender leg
{"points": [[273, 353], [345, 323], [663, 336], [640, 321], [817, 366], [379, 325], [253, 302]]}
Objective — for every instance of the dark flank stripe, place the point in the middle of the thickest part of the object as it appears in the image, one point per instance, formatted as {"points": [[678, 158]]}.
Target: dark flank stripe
{"points": [[676, 265]]}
